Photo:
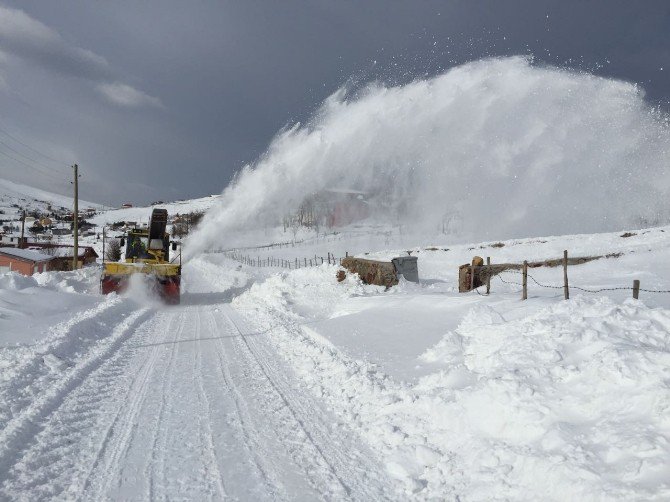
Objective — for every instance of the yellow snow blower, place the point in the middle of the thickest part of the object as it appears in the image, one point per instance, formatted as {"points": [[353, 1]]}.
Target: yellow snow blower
{"points": [[147, 252]]}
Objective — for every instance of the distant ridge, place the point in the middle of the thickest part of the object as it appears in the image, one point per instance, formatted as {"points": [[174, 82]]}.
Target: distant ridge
{"points": [[9, 190]]}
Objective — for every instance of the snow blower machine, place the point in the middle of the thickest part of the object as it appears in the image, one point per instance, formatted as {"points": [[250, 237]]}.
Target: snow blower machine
{"points": [[147, 253]]}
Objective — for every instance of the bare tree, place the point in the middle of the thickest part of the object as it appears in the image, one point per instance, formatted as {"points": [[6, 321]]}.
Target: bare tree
{"points": [[186, 223], [49, 250]]}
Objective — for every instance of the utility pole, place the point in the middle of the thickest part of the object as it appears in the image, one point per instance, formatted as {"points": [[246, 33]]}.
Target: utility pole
{"points": [[23, 227], [75, 218]]}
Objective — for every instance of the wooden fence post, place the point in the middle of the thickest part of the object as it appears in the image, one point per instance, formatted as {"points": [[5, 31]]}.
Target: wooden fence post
{"points": [[524, 281], [566, 290], [488, 276], [636, 289]]}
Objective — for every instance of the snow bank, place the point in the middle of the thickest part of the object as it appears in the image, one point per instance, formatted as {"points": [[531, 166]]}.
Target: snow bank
{"points": [[552, 150], [311, 293], [85, 280], [13, 281], [571, 402], [31, 306]]}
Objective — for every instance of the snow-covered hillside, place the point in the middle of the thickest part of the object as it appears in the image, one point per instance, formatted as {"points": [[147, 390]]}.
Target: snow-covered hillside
{"points": [[14, 198], [29, 198], [142, 214]]}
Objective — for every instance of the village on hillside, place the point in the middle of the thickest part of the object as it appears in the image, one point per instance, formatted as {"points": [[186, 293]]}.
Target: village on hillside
{"points": [[37, 235]]}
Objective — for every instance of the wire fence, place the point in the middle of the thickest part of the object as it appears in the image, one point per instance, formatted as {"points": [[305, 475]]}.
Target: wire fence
{"points": [[291, 264], [579, 288], [331, 259]]}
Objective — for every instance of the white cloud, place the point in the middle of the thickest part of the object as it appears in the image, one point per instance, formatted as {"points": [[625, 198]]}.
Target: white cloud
{"points": [[17, 25], [28, 39], [125, 95]]}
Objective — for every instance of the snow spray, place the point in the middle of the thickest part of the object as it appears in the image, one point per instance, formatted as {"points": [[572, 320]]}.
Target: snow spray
{"points": [[142, 290], [514, 149]]}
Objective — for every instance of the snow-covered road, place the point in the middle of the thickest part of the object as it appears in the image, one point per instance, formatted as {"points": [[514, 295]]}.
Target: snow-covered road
{"points": [[180, 403]]}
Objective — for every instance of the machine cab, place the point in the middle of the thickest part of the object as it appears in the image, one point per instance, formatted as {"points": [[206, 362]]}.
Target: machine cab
{"points": [[150, 244], [140, 247]]}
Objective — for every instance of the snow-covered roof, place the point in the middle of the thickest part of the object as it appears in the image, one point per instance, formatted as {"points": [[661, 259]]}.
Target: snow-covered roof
{"points": [[64, 252], [25, 254]]}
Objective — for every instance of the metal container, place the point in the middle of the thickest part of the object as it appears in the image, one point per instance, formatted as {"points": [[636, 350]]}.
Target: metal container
{"points": [[407, 267]]}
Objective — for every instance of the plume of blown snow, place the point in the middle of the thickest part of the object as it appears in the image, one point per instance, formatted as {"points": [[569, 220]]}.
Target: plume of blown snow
{"points": [[517, 149]]}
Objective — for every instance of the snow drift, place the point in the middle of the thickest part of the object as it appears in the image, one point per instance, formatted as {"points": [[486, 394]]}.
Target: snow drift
{"points": [[516, 149]]}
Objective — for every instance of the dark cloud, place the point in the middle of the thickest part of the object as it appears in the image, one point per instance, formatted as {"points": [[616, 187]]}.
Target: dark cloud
{"points": [[219, 79]]}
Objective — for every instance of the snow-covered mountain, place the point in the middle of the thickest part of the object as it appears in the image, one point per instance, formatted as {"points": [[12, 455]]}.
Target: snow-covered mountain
{"points": [[29, 198]]}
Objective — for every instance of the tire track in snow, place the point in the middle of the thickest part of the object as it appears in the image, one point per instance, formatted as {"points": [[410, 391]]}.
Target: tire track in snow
{"points": [[69, 339], [19, 433], [244, 423], [289, 427], [351, 463], [159, 434], [338, 452], [119, 434], [204, 417], [184, 458]]}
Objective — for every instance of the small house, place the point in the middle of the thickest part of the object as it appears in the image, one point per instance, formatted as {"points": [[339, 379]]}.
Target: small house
{"points": [[62, 256], [24, 261]]}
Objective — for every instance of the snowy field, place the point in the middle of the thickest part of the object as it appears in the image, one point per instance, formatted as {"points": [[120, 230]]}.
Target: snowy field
{"points": [[491, 397], [275, 384]]}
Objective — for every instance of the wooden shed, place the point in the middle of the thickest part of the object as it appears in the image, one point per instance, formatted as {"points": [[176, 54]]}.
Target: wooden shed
{"points": [[63, 257]]}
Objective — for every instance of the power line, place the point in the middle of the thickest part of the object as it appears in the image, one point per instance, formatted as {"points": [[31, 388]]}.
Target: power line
{"points": [[30, 147], [41, 171], [26, 157]]}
